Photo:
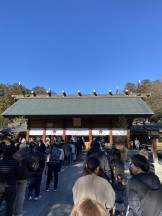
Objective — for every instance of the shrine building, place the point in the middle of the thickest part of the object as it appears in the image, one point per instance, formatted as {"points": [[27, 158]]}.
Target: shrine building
{"points": [[87, 115]]}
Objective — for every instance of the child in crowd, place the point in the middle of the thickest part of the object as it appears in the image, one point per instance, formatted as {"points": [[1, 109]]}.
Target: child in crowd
{"points": [[120, 195]]}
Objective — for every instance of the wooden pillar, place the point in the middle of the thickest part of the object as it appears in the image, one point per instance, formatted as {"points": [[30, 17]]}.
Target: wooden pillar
{"points": [[44, 132], [90, 135], [28, 129], [44, 135], [64, 130], [110, 137], [154, 149], [64, 135], [90, 132], [27, 135], [128, 138]]}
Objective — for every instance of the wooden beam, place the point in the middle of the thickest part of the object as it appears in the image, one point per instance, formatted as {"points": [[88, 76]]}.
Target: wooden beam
{"points": [[44, 135], [27, 135], [111, 137], [90, 135], [128, 139], [64, 135]]}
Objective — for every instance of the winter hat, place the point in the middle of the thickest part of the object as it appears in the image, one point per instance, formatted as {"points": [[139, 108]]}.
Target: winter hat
{"points": [[8, 152], [96, 145], [144, 152]]}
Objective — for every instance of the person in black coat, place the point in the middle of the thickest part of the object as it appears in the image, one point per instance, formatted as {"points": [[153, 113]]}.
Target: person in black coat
{"points": [[8, 175], [41, 147], [37, 166], [117, 164], [95, 151]]}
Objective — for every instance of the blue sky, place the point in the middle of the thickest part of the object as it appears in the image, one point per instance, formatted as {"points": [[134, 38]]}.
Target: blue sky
{"points": [[81, 45]]}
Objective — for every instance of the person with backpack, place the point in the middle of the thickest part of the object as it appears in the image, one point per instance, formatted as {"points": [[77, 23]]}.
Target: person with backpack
{"points": [[95, 151], [68, 152], [144, 189], [117, 164], [53, 164], [37, 160]]}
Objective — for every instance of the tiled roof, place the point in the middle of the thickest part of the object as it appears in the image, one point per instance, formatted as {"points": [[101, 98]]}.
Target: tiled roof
{"points": [[74, 105], [153, 126]]}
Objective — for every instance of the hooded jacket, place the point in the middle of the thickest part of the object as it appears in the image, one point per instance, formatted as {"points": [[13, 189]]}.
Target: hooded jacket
{"points": [[95, 188], [138, 187], [24, 163]]}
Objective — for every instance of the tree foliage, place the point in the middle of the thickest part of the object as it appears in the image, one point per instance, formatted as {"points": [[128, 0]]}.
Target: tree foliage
{"points": [[155, 99], [6, 99], [39, 90], [131, 87]]}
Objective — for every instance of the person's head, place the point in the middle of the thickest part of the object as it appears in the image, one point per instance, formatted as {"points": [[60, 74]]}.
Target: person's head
{"points": [[113, 146], [92, 165], [96, 145], [32, 139], [38, 139], [117, 154], [139, 163], [89, 207], [144, 152], [8, 152], [119, 179], [23, 140]]}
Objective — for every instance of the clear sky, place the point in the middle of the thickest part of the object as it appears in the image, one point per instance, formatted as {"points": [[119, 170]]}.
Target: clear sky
{"points": [[81, 45]]}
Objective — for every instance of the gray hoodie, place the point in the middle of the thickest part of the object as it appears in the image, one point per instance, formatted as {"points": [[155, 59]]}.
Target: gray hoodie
{"points": [[24, 163], [138, 187]]}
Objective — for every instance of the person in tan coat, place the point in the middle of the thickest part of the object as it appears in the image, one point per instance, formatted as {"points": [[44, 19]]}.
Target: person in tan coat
{"points": [[94, 187]]}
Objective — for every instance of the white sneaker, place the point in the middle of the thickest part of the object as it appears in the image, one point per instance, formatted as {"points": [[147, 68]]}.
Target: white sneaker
{"points": [[23, 213], [37, 198], [30, 198]]}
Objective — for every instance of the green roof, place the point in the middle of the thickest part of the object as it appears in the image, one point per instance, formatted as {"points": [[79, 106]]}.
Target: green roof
{"points": [[74, 105]]}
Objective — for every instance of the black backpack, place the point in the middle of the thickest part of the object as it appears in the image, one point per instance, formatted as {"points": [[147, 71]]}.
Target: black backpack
{"points": [[35, 164], [55, 157]]}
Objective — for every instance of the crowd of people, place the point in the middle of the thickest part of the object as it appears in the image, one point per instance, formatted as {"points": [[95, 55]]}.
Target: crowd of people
{"points": [[101, 190], [22, 165], [103, 182]]}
